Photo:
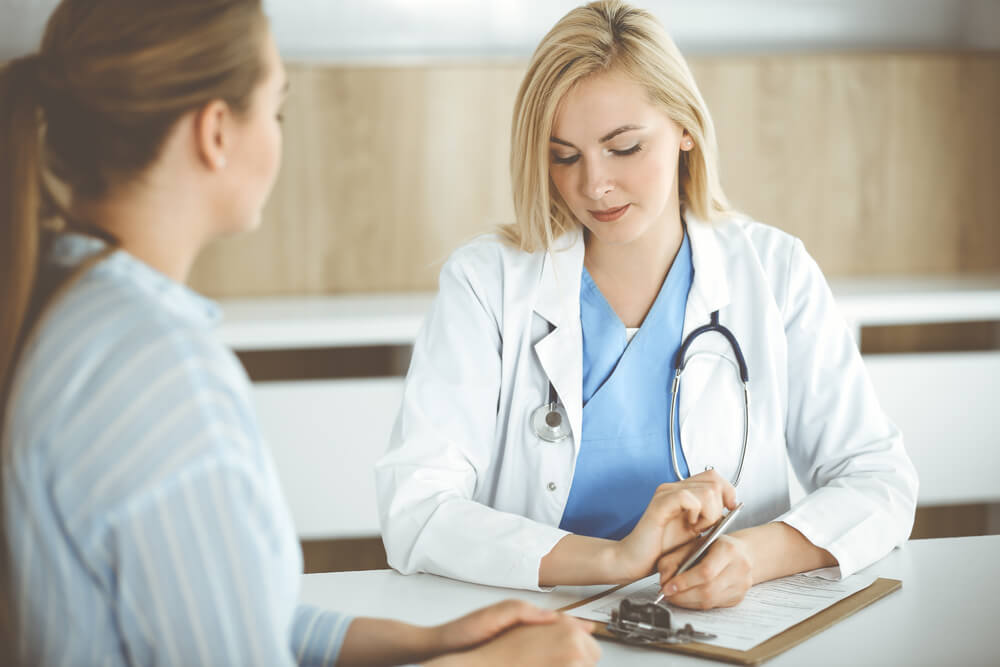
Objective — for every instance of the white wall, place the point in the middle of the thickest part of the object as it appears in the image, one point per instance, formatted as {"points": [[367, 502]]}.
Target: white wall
{"points": [[416, 30]]}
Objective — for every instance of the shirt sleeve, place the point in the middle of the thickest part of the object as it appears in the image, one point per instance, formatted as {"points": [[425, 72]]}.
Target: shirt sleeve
{"points": [[204, 578], [318, 635], [441, 449], [849, 456]]}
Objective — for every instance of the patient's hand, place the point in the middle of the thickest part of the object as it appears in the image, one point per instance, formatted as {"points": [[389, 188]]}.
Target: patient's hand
{"points": [[515, 633]]}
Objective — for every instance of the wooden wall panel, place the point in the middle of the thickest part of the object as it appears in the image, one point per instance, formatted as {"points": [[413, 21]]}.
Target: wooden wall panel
{"points": [[385, 171], [801, 142], [980, 233], [881, 163]]}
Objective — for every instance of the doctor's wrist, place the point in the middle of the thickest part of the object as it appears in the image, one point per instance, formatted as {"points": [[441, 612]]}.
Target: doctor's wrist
{"points": [[621, 565], [577, 560], [776, 550]]}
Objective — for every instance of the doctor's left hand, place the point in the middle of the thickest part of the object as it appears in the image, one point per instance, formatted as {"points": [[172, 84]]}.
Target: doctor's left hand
{"points": [[721, 579]]}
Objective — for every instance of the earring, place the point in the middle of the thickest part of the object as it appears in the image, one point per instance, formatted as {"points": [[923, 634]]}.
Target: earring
{"points": [[687, 144]]}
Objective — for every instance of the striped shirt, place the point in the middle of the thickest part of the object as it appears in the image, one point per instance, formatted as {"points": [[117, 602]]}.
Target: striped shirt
{"points": [[144, 516]]}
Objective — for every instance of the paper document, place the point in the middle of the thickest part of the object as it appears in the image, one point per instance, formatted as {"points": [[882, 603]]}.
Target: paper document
{"points": [[767, 609]]}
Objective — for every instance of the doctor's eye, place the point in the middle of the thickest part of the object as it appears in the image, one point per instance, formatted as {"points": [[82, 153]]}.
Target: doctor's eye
{"points": [[629, 151], [565, 160]]}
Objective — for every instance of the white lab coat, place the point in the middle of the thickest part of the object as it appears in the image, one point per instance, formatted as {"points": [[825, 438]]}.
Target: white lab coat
{"points": [[468, 491]]}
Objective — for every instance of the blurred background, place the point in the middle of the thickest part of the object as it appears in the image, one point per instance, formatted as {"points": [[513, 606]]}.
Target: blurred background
{"points": [[868, 128]]}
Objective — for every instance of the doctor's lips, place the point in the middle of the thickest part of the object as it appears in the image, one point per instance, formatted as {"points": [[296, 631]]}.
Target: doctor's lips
{"points": [[609, 214]]}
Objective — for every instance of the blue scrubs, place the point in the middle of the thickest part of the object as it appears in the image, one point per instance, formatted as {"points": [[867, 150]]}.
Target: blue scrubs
{"points": [[624, 448]]}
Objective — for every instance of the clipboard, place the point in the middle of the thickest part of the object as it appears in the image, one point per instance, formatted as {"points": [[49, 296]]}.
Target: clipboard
{"points": [[777, 644]]}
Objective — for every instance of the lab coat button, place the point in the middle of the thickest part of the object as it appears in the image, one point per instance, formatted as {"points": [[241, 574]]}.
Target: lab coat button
{"points": [[552, 486]]}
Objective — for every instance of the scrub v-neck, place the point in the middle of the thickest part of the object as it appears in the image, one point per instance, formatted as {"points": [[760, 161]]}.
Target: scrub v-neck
{"points": [[624, 448]]}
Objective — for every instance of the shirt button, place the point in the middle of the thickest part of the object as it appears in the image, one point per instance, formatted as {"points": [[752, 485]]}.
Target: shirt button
{"points": [[551, 486]]}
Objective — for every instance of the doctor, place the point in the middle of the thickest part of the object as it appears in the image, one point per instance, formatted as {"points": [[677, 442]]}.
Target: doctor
{"points": [[623, 248]]}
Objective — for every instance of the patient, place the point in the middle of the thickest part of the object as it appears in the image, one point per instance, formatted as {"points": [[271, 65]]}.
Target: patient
{"points": [[142, 516]]}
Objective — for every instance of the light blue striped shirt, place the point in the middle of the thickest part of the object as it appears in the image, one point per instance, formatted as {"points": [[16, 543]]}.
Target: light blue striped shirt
{"points": [[144, 516]]}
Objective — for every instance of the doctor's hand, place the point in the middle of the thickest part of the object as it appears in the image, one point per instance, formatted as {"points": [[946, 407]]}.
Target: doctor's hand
{"points": [[736, 562], [677, 513], [517, 633], [720, 579]]}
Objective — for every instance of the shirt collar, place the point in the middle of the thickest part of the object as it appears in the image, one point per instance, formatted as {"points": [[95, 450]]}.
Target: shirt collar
{"points": [[72, 248]]}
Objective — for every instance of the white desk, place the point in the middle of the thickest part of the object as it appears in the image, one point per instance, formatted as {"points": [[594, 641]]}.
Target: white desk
{"points": [[945, 614]]}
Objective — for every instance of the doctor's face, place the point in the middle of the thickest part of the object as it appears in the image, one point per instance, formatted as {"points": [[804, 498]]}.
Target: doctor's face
{"points": [[613, 158]]}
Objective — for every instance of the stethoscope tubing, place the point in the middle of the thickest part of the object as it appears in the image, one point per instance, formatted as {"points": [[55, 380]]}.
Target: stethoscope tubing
{"points": [[562, 431], [744, 374], [674, 390]]}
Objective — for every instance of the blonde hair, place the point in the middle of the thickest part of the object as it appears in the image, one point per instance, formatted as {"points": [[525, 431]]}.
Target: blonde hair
{"points": [[598, 37]]}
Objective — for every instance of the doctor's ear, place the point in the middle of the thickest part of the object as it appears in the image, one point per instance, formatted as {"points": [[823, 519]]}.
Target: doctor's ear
{"points": [[212, 126]]}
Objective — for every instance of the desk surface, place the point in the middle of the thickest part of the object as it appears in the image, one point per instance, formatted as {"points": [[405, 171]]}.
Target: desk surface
{"points": [[946, 612]]}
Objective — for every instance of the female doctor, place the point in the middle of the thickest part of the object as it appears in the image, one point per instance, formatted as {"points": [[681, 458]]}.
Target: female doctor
{"points": [[540, 415]]}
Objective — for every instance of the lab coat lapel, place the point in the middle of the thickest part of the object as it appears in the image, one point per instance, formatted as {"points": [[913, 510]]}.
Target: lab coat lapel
{"points": [[710, 287], [709, 292], [558, 301]]}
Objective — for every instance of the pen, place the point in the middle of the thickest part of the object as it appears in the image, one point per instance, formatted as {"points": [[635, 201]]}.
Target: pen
{"points": [[707, 540]]}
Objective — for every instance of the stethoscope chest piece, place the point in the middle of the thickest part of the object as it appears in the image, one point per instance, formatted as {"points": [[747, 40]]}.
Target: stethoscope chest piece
{"points": [[550, 422]]}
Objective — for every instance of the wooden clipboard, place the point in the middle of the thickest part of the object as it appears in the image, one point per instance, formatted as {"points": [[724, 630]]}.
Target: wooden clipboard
{"points": [[779, 643]]}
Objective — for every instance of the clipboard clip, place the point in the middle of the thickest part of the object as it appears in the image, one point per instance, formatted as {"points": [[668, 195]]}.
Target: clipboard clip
{"points": [[648, 623]]}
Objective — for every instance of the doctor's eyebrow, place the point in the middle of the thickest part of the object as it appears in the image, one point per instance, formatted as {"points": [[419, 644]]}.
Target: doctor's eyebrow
{"points": [[607, 137]]}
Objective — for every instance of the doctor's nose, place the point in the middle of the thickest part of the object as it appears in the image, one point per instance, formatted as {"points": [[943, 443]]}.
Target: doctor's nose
{"points": [[596, 184]]}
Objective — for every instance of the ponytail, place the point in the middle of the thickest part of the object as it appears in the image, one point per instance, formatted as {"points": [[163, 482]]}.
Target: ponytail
{"points": [[20, 238], [20, 207]]}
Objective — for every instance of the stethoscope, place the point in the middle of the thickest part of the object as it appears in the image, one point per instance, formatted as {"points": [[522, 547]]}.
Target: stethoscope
{"points": [[551, 424]]}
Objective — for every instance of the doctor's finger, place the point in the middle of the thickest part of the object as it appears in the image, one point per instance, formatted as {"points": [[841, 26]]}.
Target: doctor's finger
{"points": [[669, 502], [710, 476], [669, 562], [710, 497], [725, 590], [687, 503], [726, 491], [729, 496], [707, 570], [706, 596]]}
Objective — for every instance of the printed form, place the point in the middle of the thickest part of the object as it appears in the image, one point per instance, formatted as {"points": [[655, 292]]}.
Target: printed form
{"points": [[767, 609]]}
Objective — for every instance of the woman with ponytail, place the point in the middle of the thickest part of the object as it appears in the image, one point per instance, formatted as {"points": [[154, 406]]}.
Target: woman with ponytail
{"points": [[142, 518]]}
